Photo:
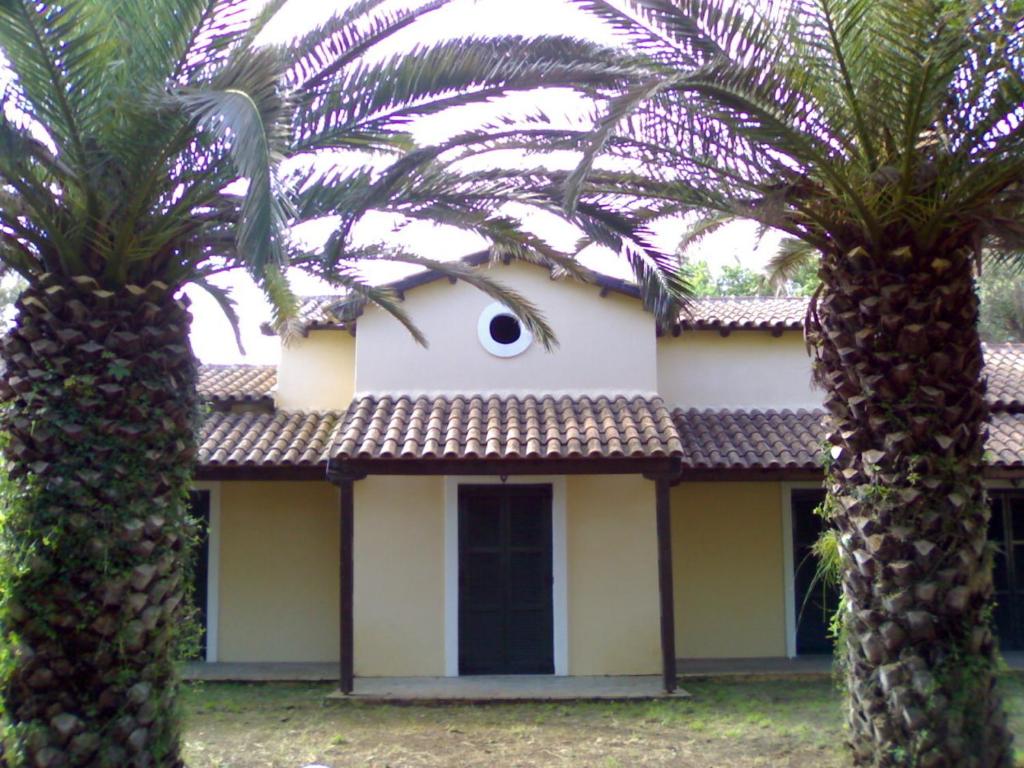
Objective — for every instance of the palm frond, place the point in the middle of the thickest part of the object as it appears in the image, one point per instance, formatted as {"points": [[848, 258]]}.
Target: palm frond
{"points": [[50, 48], [387, 94], [703, 227], [343, 39], [792, 256], [246, 112], [284, 304], [227, 305]]}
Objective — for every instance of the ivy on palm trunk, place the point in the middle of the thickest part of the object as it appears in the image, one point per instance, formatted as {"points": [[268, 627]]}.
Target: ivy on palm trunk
{"points": [[124, 128], [887, 137], [100, 428]]}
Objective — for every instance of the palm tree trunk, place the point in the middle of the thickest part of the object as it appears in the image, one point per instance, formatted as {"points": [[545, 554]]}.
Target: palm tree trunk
{"points": [[897, 352], [100, 447]]}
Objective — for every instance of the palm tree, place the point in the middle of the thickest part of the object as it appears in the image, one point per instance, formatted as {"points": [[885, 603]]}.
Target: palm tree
{"points": [[124, 127], [888, 135]]}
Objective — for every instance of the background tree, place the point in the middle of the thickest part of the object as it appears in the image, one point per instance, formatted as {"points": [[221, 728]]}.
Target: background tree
{"points": [[10, 289], [738, 280], [889, 136], [1001, 292], [124, 131]]}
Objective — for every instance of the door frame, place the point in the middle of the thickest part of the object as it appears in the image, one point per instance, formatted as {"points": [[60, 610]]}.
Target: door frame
{"points": [[788, 565], [559, 567], [212, 568]]}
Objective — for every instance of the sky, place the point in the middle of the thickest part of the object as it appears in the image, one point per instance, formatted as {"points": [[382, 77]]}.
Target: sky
{"points": [[212, 338]]}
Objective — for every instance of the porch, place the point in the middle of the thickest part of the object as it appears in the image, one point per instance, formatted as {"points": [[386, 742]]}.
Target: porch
{"points": [[508, 519], [441, 690], [482, 687]]}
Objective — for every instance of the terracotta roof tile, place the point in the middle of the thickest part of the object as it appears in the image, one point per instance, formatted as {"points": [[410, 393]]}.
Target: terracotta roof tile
{"points": [[236, 383], [715, 440], [545, 427], [750, 439], [321, 312], [486, 427], [279, 439], [744, 313], [1005, 445], [1004, 364]]}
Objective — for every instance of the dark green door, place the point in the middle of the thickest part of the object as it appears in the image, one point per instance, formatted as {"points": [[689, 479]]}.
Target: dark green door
{"points": [[816, 602], [505, 611], [199, 509], [1006, 531]]}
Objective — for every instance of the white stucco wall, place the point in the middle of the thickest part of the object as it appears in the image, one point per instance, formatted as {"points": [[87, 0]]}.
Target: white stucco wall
{"points": [[746, 369], [606, 345]]}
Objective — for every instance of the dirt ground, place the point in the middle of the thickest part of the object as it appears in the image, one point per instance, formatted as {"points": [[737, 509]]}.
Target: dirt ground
{"points": [[727, 723]]}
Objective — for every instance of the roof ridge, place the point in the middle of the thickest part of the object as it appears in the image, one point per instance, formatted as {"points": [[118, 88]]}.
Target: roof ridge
{"points": [[752, 298]]}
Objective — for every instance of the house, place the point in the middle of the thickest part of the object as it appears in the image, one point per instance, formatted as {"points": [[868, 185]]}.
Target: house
{"points": [[486, 506]]}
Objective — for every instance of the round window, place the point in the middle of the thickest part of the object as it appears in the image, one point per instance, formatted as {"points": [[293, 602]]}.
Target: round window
{"points": [[501, 333]]}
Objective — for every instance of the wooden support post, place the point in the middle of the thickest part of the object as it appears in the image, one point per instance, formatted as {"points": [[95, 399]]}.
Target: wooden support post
{"points": [[347, 485], [663, 501]]}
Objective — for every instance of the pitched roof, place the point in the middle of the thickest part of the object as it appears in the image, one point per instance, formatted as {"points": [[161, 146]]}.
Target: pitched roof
{"points": [[721, 439], [322, 313], [338, 311], [542, 428], [221, 384], [491, 427], [1005, 446], [282, 439], [1004, 364], [766, 440], [744, 313]]}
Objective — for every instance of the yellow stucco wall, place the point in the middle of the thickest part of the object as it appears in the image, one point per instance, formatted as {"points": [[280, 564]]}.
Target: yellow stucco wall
{"points": [[399, 576], [613, 576], [317, 372], [746, 369], [278, 571], [728, 567]]}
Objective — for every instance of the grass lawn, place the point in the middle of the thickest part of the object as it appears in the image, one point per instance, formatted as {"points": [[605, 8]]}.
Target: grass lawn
{"points": [[728, 722]]}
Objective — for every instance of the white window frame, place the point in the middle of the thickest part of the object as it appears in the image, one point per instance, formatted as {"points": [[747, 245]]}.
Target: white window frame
{"points": [[483, 332], [559, 568], [212, 569], [788, 563]]}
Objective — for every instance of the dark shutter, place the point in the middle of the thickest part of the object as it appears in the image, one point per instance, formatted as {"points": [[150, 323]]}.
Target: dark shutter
{"points": [[505, 610]]}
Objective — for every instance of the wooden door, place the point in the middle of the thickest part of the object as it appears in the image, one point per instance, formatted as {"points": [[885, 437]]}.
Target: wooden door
{"points": [[505, 572]]}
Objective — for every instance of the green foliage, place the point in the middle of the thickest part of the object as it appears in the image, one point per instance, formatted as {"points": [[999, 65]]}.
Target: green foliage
{"points": [[804, 281], [826, 551], [821, 119], [10, 288], [1001, 290], [731, 280], [49, 537], [738, 280]]}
